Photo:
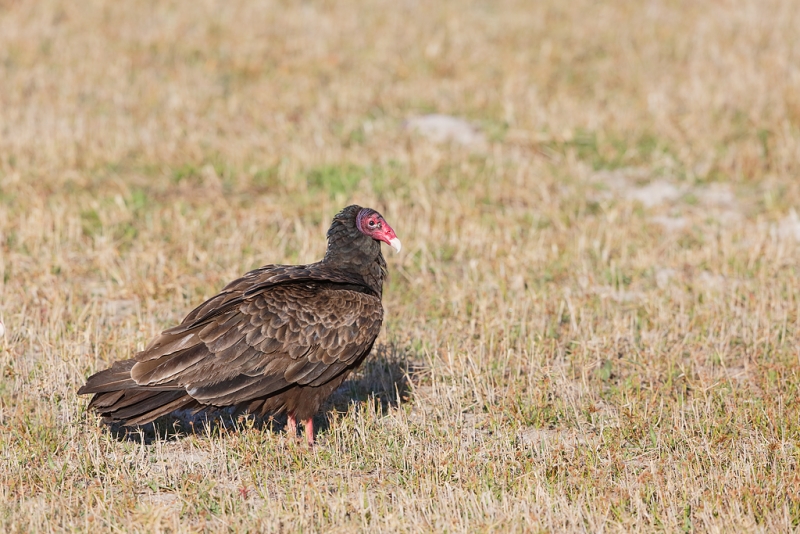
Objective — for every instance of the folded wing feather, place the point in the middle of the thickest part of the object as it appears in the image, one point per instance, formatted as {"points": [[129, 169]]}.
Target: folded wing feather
{"points": [[304, 333]]}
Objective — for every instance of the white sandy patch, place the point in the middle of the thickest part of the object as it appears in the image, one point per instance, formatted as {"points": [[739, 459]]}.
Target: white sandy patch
{"points": [[788, 227], [444, 129], [655, 193], [670, 223]]}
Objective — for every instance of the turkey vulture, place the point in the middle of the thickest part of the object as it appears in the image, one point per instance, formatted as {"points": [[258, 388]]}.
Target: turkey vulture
{"points": [[281, 338]]}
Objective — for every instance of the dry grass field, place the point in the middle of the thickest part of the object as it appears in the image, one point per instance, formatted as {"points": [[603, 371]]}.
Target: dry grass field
{"points": [[593, 325]]}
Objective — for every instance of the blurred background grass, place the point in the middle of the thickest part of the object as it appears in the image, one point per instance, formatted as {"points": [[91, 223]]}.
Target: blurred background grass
{"points": [[597, 295]]}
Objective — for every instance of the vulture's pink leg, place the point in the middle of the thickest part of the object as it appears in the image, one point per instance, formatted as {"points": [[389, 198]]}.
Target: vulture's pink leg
{"points": [[291, 425], [310, 431]]}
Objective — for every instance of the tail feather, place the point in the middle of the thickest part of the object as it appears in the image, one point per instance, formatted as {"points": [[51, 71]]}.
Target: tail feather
{"points": [[119, 399], [151, 406], [184, 401], [106, 399], [115, 378]]}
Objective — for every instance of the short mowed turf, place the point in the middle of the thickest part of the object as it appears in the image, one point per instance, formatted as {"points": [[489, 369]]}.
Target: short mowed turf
{"points": [[592, 327]]}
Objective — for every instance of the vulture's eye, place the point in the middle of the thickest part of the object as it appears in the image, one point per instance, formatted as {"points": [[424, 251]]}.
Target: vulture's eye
{"points": [[372, 223]]}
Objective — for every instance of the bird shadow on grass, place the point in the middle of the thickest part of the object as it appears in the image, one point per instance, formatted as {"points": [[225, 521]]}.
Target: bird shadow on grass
{"points": [[386, 379]]}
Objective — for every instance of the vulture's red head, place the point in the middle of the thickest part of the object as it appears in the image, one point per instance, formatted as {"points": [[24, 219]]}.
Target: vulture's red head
{"points": [[370, 222], [355, 237]]}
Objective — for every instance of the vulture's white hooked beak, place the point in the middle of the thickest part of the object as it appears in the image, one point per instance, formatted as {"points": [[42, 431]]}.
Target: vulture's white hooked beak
{"points": [[395, 244]]}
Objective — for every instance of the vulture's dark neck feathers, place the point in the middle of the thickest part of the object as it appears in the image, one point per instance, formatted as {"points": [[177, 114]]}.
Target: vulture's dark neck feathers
{"points": [[352, 251]]}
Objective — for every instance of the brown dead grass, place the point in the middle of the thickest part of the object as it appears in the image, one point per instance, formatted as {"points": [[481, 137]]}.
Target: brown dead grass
{"points": [[596, 309]]}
